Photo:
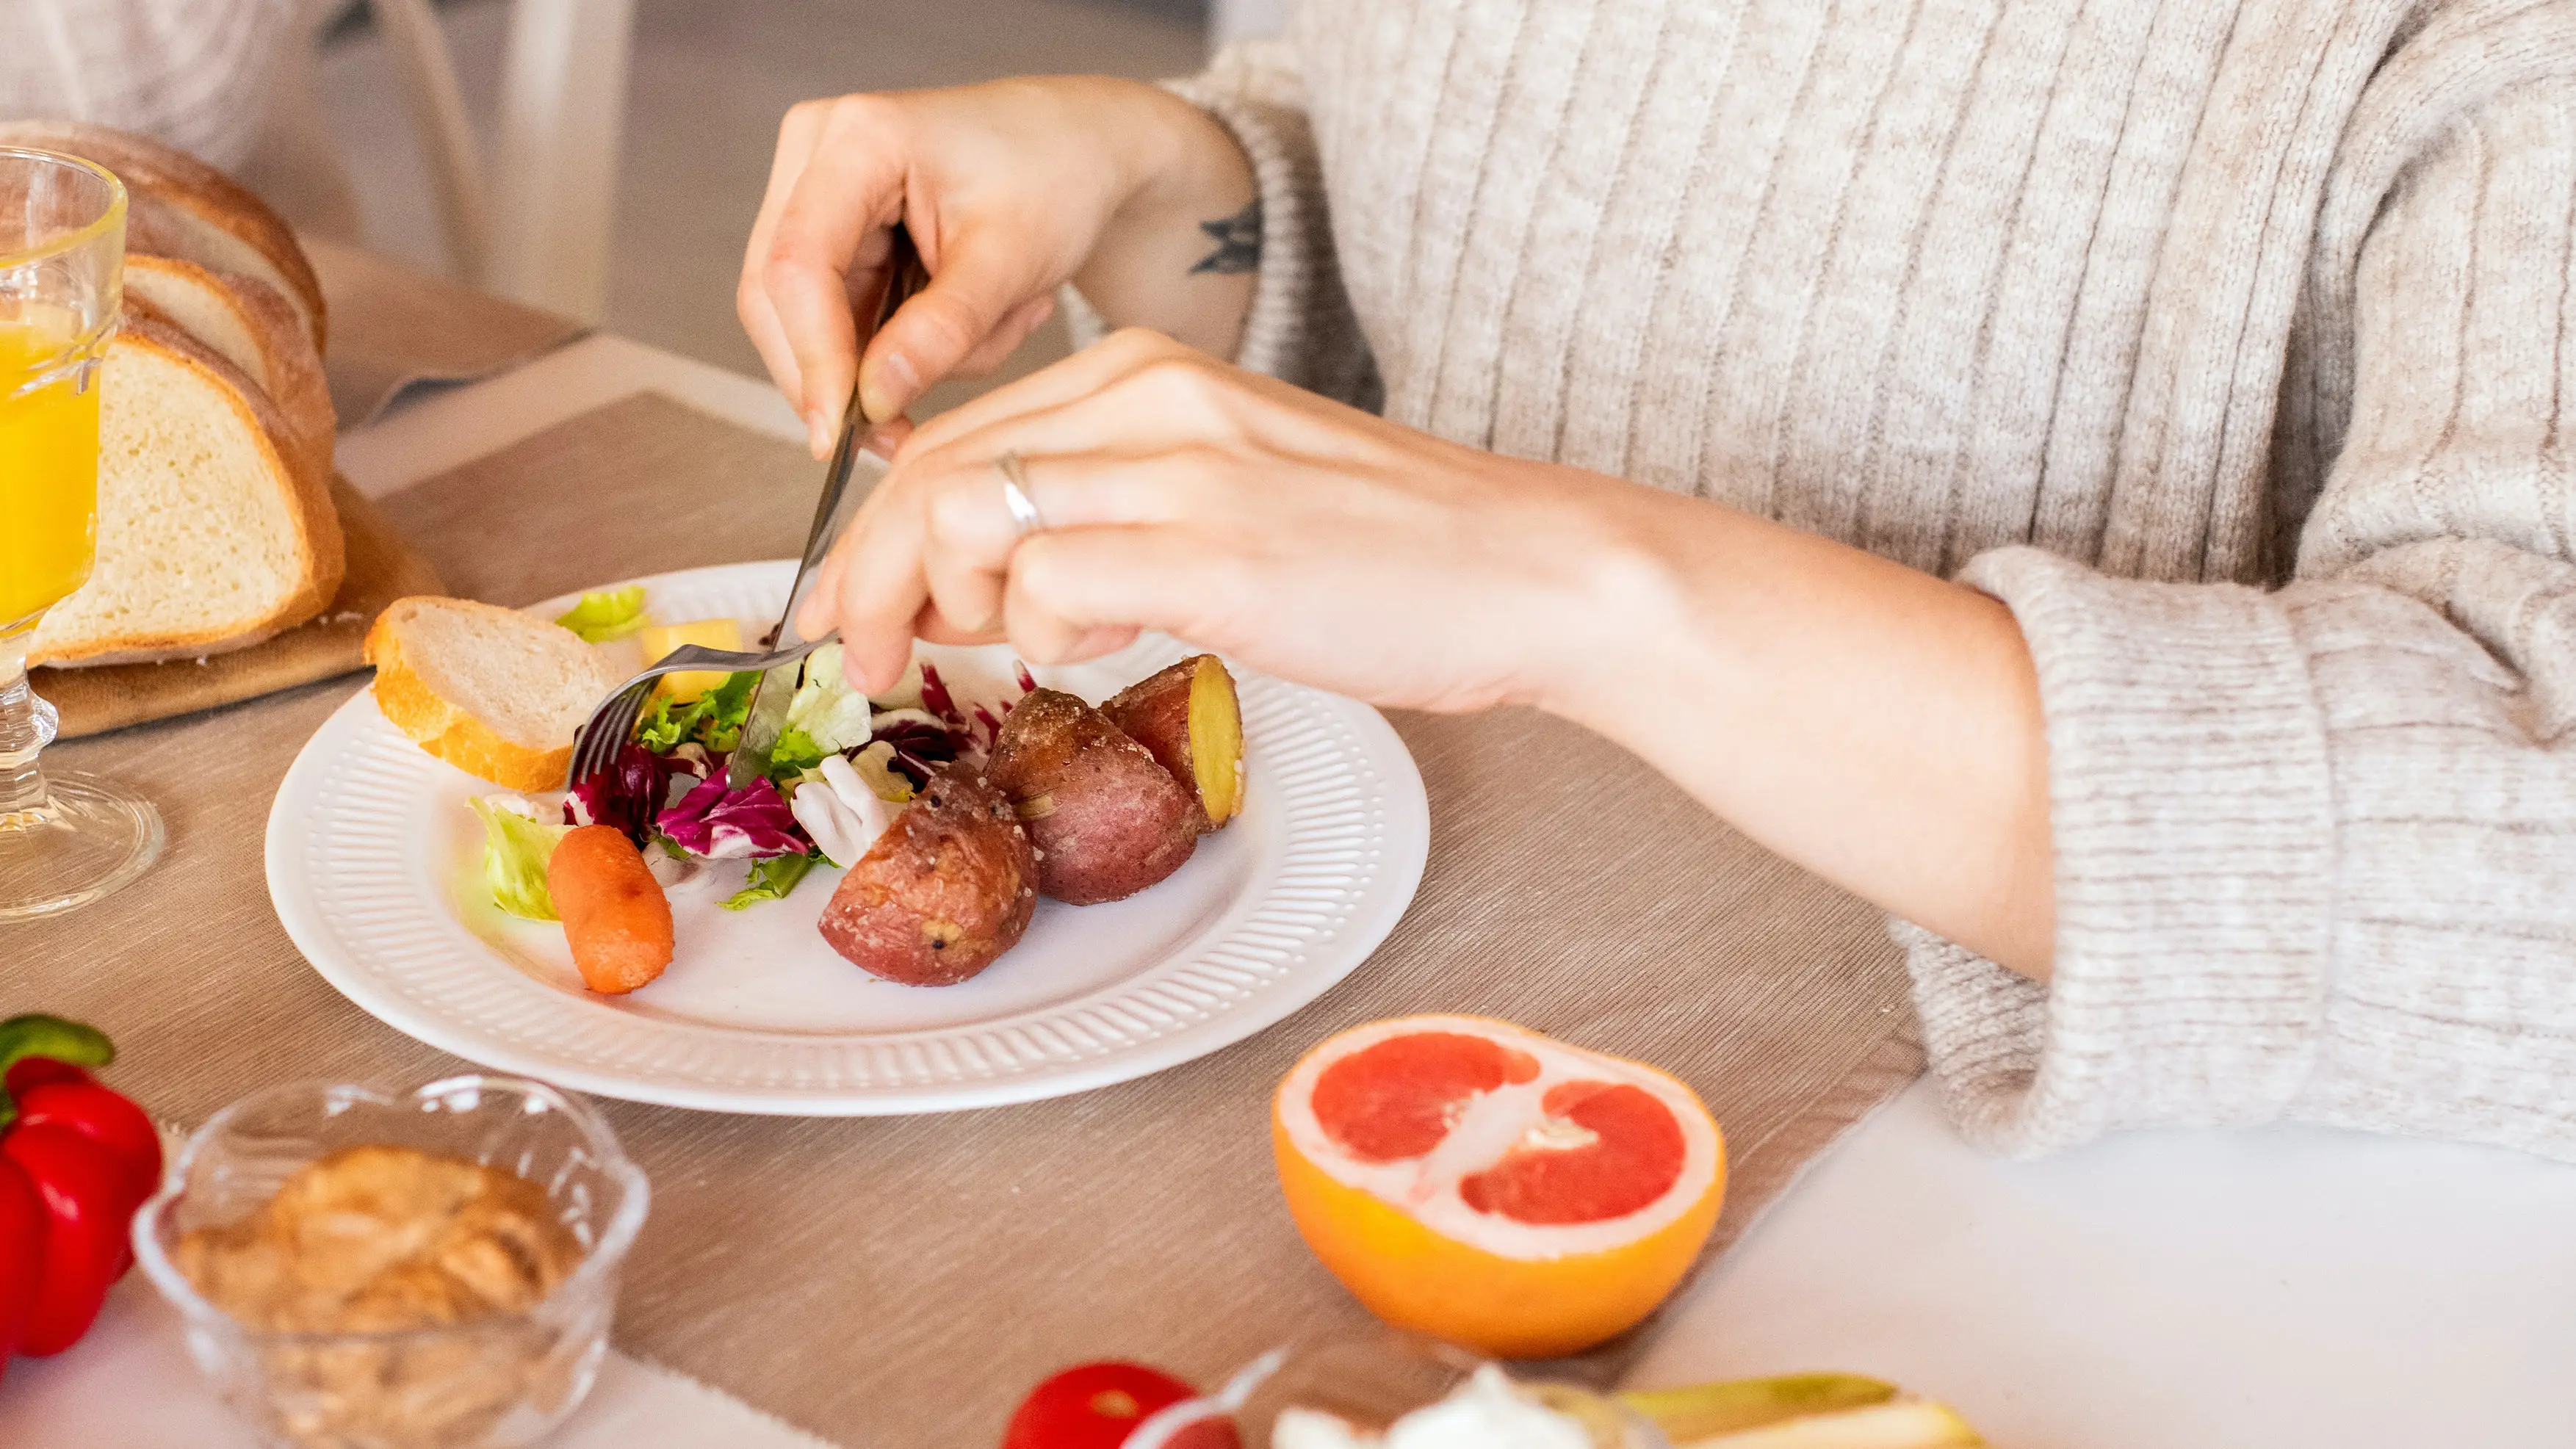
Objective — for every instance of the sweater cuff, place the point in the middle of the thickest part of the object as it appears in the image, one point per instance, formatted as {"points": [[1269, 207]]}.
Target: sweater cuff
{"points": [[2193, 829], [1291, 186]]}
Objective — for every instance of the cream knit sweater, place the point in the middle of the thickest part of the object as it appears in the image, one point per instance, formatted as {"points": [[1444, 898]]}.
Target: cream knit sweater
{"points": [[193, 73], [2224, 340]]}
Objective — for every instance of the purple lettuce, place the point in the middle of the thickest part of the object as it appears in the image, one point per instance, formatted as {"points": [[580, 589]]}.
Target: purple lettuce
{"points": [[936, 699], [967, 736], [723, 824], [627, 794], [919, 749]]}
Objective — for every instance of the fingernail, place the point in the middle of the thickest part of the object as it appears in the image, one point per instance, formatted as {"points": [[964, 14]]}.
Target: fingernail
{"points": [[897, 386], [818, 433], [880, 444]]}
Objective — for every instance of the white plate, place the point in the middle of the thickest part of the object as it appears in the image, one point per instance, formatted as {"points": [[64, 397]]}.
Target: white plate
{"points": [[374, 866]]}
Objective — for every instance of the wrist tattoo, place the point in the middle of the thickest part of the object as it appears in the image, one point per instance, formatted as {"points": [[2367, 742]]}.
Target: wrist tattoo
{"points": [[1238, 242]]}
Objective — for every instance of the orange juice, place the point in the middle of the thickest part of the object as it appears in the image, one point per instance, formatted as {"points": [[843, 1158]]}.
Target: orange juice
{"points": [[48, 470]]}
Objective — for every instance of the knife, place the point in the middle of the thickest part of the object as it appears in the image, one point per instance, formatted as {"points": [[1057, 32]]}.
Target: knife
{"points": [[832, 512]]}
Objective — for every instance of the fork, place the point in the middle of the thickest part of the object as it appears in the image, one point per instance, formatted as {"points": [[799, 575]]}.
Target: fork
{"points": [[613, 723], [760, 728]]}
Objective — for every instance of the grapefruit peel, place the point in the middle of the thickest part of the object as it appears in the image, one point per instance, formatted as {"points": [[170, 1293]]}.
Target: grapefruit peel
{"points": [[1516, 1194]]}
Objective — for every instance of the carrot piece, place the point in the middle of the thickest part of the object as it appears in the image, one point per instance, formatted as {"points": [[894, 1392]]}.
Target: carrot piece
{"points": [[614, 913]]}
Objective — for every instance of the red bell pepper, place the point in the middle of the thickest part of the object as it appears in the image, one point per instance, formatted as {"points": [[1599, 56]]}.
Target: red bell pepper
{"points": [[76, 1160]]}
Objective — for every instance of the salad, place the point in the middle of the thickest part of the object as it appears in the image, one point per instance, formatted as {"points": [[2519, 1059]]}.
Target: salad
{"points": [[843, 765]]}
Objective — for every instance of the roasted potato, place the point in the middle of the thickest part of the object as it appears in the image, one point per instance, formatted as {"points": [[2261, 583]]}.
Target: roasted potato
{"points": [[948, 887], [1107, 820], [1190, 720]]}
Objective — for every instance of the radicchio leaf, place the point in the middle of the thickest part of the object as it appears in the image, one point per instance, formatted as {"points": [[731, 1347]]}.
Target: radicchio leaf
{"points": [[919, 749], [966, 736], [722, 824], [936, 698], [626, 794]]}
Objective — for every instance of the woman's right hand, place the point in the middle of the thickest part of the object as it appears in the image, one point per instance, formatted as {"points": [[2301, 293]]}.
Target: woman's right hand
{"points": [[1010, 189]]}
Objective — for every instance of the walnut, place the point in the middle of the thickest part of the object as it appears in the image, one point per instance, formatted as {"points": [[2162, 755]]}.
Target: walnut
{"points": [[384, 1239]]}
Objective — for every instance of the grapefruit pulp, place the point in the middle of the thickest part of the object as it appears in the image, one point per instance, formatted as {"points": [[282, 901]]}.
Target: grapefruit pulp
{"points": [[1484, 1184]]}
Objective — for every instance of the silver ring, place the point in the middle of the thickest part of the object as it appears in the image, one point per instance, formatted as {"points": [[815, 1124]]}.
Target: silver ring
{"points": [[1015, 494]]}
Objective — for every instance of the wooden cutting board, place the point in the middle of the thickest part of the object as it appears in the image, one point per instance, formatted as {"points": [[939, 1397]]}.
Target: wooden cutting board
{"points": [[382, 568]]}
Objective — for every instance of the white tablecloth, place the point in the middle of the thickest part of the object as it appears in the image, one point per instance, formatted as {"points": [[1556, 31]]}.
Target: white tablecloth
{"points": [[2287, 1288], [130, 1385]]}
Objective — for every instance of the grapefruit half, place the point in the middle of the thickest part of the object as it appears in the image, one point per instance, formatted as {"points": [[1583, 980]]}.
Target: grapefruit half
{"points": [[1487, 1185]]}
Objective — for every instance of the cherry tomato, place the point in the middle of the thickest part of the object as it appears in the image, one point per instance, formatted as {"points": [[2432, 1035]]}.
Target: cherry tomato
{"points": [[1097, 1405]]}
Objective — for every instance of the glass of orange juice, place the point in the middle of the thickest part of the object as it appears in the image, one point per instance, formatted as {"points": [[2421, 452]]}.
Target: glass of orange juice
{"points": [[65, 839]]}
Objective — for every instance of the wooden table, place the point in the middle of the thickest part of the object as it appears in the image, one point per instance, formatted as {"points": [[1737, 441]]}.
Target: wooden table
{"points": [[2277, 1288], [2272, 1289]]}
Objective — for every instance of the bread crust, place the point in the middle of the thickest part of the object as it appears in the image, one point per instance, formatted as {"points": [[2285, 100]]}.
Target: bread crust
{"points": [[437, 725], [296, 382], [322, 558], [153, 172], [283, 363], [318, 537]]}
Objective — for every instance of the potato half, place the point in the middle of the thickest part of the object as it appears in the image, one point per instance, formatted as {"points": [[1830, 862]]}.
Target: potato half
{"points": [[948, 887], [1189, 717], [1107, 819]]}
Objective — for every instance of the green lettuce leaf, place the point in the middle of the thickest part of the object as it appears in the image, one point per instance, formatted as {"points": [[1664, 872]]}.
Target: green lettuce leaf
{"points": [[726, 706], [823, 666], [831, 713], [771, 880], [607, 614], [659, 728], [714, 719], [515, 852], [796, 753]]}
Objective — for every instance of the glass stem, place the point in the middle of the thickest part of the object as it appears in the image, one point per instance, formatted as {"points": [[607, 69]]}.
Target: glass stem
{"points": [[26, 727]]}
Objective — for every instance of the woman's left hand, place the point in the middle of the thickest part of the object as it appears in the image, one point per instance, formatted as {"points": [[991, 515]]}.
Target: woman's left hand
{"points": [[1180, 494]]}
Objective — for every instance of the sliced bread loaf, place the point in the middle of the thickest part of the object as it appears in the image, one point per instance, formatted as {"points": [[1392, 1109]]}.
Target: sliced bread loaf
{"points": [[249, 324], [211, 536], [492, 691], [178, 206]]}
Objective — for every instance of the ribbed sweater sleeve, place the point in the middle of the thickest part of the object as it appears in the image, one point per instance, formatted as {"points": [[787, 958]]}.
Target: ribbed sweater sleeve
{"points": [[192, 73], [2317, 847], [1300, 327]]}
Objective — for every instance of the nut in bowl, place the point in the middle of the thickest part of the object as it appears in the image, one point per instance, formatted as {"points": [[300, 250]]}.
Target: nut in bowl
{"points": [[363, 1269]]}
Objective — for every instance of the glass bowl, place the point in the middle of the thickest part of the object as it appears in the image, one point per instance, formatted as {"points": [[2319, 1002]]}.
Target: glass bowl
{"points": [[487, 1383]]}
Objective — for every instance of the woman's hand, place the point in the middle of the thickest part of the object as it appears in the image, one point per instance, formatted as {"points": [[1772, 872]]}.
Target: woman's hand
{"points": [[1009, 190], [1876, 724], [1302, 537]]}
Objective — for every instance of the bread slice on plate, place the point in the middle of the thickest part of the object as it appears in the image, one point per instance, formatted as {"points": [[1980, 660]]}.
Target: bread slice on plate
{"points": [[211, 536], [249, 324], [178, 206], [489, 690]]}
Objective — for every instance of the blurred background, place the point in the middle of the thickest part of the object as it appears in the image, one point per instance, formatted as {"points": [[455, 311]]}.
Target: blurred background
{"points": [[705, 83]]}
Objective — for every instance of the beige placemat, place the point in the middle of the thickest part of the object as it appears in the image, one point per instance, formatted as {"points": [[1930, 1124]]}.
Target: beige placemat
{"points": [[393, 325], [382, 568], [900, 1282]]}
